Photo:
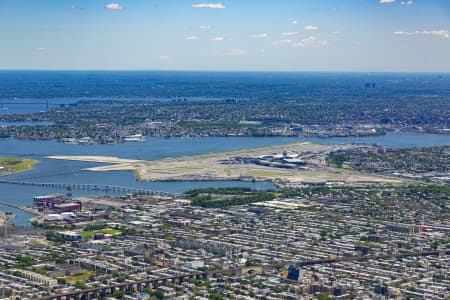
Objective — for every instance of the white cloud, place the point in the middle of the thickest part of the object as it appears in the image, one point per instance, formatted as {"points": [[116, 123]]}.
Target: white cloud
{"points": [[295, 22], [290, 33], [336, 32], [205, 27], [261, 35], [356, 43], [310, 41], [386, 1], [232, 52], [217, 39], [40, 49], [311, 27], [443, 34], [76, 7], [114, 6], [410, 2], [192, 38], [281, 42], [237, 52], [304, 43], [164, 57], [209, 5]]}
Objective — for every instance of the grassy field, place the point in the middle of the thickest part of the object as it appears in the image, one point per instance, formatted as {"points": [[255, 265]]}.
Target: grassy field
{"points": [[81, 277], [16, 165], [87, 235]]}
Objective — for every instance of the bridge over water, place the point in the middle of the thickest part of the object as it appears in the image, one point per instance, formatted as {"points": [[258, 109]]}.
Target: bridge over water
{"points": [[130, 287]]}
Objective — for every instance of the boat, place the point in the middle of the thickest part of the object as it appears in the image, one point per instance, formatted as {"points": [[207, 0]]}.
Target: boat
{"points": [[135, 138]]}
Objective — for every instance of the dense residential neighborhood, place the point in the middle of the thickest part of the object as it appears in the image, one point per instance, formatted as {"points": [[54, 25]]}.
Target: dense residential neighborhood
{"points": [[379, 238]]}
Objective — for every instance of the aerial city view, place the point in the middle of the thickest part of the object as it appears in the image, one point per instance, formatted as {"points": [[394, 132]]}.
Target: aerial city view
{"points": [[180, 149]]}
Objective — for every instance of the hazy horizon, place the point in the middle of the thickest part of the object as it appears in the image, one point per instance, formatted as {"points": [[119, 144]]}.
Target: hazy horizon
{"points": [[186, 35], [368, 72]]}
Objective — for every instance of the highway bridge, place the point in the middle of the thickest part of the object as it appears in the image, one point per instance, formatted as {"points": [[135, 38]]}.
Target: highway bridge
{"points": [[92, 187], [130, 287]]}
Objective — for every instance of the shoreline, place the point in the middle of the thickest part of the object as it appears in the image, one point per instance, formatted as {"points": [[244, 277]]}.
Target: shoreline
{"points": [[12, 217], [15, 165], [227, 166], [5, 218], [22, 208], [379, 132]]}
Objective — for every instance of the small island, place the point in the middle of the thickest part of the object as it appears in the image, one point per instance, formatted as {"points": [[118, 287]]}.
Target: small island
{"points": [[12, 165]]}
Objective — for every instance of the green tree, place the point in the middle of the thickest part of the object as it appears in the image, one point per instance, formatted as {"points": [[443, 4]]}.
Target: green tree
{"points": [[80, 285], [215, 296], [322, 296], [117, 294]]}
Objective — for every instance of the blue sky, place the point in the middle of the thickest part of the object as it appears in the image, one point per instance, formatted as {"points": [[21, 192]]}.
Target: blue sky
{"points": [[279, 35]]}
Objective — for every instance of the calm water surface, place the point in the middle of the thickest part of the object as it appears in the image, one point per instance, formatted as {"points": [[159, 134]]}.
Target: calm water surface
{"points": [[59, 171]]}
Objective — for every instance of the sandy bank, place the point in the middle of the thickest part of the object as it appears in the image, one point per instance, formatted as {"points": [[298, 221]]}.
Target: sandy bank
{"points": [[99, 159]]}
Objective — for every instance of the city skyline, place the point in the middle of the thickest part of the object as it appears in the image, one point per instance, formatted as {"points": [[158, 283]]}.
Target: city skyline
{"points": [[347, 36]]}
